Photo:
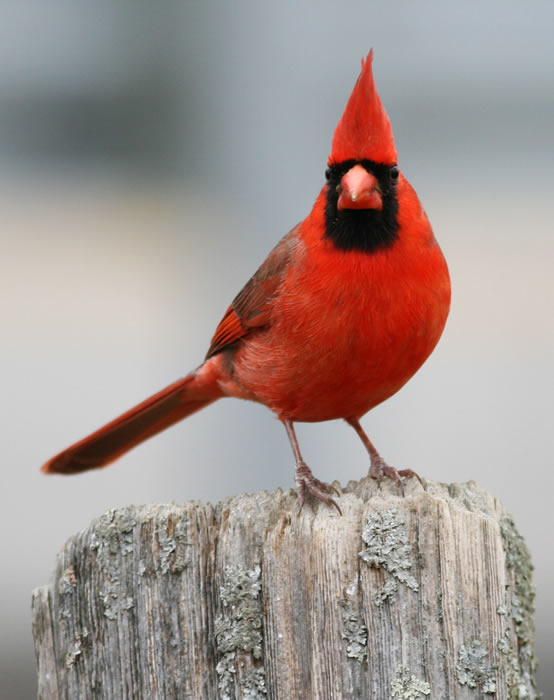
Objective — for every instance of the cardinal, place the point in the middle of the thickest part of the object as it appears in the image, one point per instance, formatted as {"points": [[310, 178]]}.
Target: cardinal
{"points": [[344, 310]]}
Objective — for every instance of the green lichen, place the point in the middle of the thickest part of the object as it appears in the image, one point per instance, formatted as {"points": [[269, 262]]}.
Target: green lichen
{"points": [[406, 686], [387, 548], [239, 628], [473, 670]]}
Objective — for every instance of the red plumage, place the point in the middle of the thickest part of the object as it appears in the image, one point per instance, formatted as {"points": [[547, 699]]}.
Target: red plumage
{"points": [[344, 310], [364, 130]]}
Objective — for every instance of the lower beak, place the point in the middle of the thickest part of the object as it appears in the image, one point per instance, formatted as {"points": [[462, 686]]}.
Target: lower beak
{"points": [[359, 190]]}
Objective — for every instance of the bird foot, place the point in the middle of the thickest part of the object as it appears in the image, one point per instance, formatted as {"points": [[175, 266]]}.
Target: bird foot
{"points": [[379, 469], [306, 481]]}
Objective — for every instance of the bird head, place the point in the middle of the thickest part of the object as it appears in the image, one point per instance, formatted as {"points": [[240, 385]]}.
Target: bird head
{"points": [[362, 173]]}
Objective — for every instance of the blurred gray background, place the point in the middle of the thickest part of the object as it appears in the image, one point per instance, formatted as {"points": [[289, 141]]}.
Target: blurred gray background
{"points": [[150, 156]]}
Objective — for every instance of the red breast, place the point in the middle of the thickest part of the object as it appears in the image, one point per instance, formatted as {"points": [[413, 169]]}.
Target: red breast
{"points": [[363, 323]]}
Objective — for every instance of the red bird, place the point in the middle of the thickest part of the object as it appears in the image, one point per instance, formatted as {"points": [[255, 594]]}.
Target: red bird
{"points": [[346, 308]]}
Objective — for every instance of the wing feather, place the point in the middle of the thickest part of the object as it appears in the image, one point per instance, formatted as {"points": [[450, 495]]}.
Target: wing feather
{"points": [[251, 308]]}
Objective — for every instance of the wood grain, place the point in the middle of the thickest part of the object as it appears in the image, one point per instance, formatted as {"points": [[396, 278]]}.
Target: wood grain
{"points": [[426, 596]]}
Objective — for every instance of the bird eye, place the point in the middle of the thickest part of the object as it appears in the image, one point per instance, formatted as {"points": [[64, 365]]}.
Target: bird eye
{"points": [[328, 174], [394, 173]]}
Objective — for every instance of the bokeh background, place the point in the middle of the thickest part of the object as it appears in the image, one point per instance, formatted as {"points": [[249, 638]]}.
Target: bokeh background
{"points": [[150, 156]]}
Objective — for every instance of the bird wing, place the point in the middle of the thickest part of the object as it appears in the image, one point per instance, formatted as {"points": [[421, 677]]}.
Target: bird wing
{"points": [[251, 308]]}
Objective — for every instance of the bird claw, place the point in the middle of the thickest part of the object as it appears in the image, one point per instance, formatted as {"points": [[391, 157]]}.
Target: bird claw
{"points": [[379, 469], [305, 480]]}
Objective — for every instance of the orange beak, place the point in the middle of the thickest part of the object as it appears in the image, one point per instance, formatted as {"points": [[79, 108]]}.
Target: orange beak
{"points": [[359, 190]]}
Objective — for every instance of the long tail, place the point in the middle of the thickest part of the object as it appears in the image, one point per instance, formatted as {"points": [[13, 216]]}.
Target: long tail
{"points": [[172, 404]]}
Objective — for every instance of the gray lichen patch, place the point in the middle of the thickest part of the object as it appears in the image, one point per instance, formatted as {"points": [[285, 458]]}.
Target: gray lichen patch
{"points": [[518, 687], [386, 593], [239, 628], [173, 555], [226, 670], [113, 536], [472, 669], [521, 603], [113, 601], [518, 559], [167, 547], [355, 633], [386, 537], [253, 684], [68, 581], [112, 539], [406, 686], [519, 608], [240, 585]]}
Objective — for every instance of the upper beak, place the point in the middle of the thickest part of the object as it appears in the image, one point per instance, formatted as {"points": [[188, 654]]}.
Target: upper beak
{"points": [[359, 190]]}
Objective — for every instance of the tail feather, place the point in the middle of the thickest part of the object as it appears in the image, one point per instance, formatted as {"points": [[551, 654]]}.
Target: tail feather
{"points": [[158, 412]]}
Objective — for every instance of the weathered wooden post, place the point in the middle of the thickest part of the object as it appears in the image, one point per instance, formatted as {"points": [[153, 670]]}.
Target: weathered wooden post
{"points": [[429, 595]]}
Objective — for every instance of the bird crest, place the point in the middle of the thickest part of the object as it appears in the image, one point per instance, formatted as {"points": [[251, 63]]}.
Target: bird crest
{"points": [[364, 130]]}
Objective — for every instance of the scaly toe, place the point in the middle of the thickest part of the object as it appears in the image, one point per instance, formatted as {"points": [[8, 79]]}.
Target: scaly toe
{"points": [[411, 473], [379, 469], [321, 490]]}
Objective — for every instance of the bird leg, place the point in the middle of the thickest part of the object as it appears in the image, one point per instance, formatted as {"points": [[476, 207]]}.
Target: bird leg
{"points": [[379, 468], [304, 477]]}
